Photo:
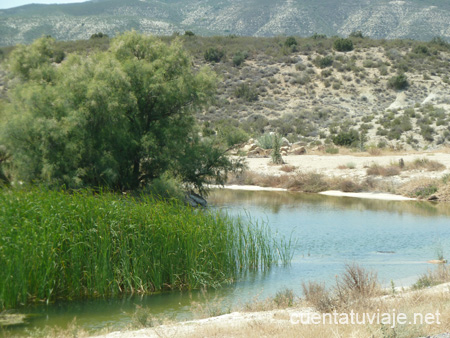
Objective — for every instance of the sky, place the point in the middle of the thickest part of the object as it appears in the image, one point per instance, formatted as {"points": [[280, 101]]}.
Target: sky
{"points": [[15, 3]]}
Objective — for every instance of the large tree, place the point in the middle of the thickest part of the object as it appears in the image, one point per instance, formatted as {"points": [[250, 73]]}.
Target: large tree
{"points": [[119, 118]]}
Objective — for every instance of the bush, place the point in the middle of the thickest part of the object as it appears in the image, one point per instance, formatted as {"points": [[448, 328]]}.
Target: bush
{"points": [[214, 54], [290, 41], [246, 92], [356, 34], [239, 58], [343, 45], [323, 62], [189, 33], [398, 82], [346, 139], [98, 35]]}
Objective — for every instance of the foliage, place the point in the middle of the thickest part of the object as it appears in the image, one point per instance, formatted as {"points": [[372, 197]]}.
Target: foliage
{"points": [[343, 45], [265, 141], [290, 41], [347, 139], [214, 54], [189, 33], [398, 82], [246, 92], [81, 245], [99, 35], [323, 62], [356, 34], [119, 118], [276, 152], [239, 58], [231, 134]]}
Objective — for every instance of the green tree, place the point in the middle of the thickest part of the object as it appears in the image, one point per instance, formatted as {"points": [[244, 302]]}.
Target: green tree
{"points": [[119, 118]]}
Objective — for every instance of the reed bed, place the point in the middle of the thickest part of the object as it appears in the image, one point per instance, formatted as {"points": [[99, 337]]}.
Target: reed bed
{"points": [[59, 245]]}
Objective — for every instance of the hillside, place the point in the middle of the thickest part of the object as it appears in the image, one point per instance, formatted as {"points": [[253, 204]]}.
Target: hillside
{"points": [[311, 93], [414, 19]]}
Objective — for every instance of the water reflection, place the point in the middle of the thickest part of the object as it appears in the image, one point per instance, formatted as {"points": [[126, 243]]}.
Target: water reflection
{"points": [[276, 200]]}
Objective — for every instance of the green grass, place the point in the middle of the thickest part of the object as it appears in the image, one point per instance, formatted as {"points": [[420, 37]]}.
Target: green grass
{"points": [[59, 245]]}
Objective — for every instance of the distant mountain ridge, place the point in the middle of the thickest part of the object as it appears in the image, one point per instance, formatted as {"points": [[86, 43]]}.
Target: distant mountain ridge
{"points": [[415, 19]]}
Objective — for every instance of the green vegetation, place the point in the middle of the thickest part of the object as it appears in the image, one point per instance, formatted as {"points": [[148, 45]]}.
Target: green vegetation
{"points": [[74, 245], [120, 118], [398, 82], [276, 152], [343, 45], [214, 54]]}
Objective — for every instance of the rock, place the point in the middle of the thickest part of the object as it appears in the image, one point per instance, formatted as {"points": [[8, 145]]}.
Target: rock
{"points": [[253, 147], [195, 200], [285, 142], [433, 198], [286, 149], [258, 152], [298, 151]]}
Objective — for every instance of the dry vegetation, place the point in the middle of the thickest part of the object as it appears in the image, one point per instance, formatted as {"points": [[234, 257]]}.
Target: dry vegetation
{"points": [[356, 290]]}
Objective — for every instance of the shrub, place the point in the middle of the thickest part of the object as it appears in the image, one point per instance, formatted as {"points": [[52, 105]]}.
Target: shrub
{"points": [[323, 62], [246, 92], [189, 33], [377, 170], [98, 35], [356, 34], [265, 141], [346, 139], [398, 82], [276, 153], [290, 41], [343, 45], [239, 58], [214, 54]]}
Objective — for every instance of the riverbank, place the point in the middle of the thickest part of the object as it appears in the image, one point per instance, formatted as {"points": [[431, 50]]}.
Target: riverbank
{"points": [[297, 321], [411, 175]]}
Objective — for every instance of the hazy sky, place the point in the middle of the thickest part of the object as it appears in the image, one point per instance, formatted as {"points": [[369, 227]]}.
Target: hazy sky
{"points": [[16, 3]]}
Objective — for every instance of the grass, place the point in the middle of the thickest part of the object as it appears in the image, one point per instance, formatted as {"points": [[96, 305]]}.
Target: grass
{"points": [[56, 245]]}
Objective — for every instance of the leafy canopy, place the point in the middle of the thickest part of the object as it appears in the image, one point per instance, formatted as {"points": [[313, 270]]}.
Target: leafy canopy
{"points": [[119, 118]]}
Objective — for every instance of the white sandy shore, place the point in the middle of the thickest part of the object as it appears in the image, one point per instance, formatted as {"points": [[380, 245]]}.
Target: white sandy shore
{"points": [[368, 195], [250, 188]]}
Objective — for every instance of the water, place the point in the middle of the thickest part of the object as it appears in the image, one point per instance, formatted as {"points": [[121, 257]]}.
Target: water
{"points": [[395, 239]]}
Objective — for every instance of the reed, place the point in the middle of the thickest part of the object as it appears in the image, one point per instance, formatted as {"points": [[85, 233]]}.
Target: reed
{"points": [[59, 245]]}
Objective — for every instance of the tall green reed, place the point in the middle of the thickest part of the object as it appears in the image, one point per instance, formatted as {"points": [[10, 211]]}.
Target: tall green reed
{"points": [[59, 245]]}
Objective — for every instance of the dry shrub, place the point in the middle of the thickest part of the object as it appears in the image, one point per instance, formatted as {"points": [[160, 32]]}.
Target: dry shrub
{"points": [[356, 285], [374, 151], [377, 170], [318, 296], [424, 163], [349, 186], [342, 167], [420, 188], [308, 182], [287, 168], [433, 277], [355, 288]]}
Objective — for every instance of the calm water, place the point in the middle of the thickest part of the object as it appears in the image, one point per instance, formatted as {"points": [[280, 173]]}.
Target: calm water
{"points": [[393, 238]]}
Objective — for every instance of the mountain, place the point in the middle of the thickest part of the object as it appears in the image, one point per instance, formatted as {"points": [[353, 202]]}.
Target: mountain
{"points": [[414, 19]]}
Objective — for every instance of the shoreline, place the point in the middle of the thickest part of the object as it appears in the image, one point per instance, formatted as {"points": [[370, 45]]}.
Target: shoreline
{"points": [[334, 193]]}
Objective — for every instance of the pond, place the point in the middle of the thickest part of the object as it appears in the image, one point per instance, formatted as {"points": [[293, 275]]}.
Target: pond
{"points": [[395, 239]]}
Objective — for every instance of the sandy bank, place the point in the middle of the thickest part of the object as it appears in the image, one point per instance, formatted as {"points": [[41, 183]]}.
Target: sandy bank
{"points": [[368, 195]]}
